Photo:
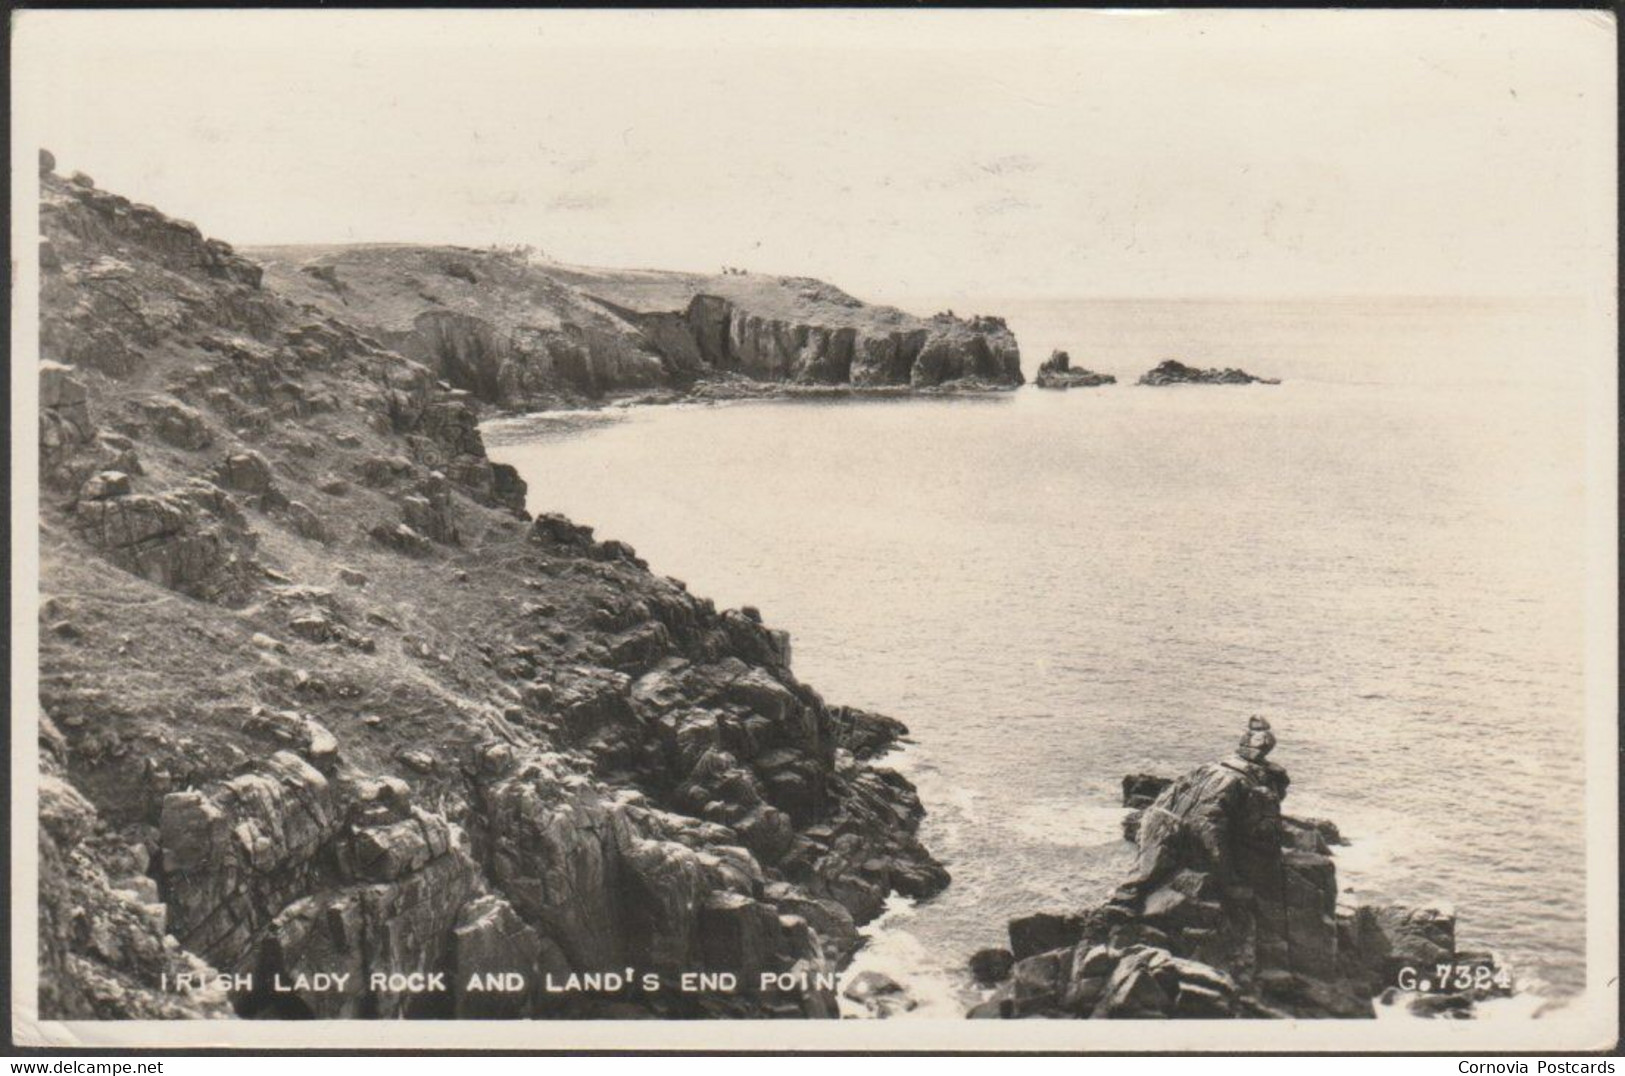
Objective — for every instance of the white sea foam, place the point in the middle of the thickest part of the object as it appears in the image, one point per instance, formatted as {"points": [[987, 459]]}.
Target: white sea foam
{"points": [[1067, 823], [893, 951]]}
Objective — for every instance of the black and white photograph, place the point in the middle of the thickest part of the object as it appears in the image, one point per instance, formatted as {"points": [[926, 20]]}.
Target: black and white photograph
{"points": [[884, 529]]}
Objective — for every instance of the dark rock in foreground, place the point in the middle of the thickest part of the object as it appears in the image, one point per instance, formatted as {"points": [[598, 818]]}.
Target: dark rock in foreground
{"points": [[882, 995], [1231, 911], [1174, 372], [1057, 373], [1140, 790], [990, 966]]}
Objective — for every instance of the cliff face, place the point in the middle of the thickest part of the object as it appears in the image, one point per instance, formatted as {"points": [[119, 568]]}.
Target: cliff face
{"points": [[1231, 910], [320, 696], [525, 334], [714, 333]]}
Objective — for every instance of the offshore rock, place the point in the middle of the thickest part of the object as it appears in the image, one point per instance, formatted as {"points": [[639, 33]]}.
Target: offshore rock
{"points": [[1056, 372], [1174, 372]]}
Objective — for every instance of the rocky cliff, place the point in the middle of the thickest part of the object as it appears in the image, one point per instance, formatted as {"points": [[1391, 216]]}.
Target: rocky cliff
{"points": [[1231, 910], [325, 708], [523, 333]]}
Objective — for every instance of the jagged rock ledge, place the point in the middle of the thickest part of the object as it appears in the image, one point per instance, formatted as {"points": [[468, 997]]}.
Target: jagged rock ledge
{"points": [[1174, 372], [1230, 911], [322, 703], [1056, 372]]}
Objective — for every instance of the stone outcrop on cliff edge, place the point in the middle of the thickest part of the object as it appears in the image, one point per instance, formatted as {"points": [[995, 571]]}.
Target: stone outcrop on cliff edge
{"points": [[1174, 372], [524, 333], [1230, 910], [858, 347], [323, 702]]}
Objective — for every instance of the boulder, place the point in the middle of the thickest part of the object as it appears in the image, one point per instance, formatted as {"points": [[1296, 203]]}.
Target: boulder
{"points": [[1043, 931], [490, 945], [828, 919], [176, 424], [306, 523], [1142, 789], [402, 538], [1381, 940], [64, 813], [379, 471], [878, 992], [1133, 991], [105, 484], [738, 934], [870, 984], [1041, 980], [64, 422], [249, 472], [174, 539], [990, 966], [234, 852]]}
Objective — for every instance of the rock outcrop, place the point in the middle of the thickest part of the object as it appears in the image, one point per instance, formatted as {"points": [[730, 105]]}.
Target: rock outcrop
{"points": [[1230, 911], [523, 333], [718, 334], [335, 729], [1174, 372], [1056, 372]]}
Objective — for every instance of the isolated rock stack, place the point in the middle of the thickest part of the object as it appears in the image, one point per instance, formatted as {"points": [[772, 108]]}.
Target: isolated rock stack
{"points": [[1230, 910], [1056, 372]]}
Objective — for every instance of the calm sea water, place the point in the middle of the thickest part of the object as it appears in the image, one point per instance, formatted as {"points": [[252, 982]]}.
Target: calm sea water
{"points": [[1383, 555]]}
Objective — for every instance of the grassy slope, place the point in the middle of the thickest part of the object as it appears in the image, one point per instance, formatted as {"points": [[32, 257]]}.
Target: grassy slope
{"points": [[388, 284]]}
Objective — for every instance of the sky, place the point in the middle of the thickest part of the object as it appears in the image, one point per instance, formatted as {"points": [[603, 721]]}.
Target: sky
{"points": [[904, 153]]}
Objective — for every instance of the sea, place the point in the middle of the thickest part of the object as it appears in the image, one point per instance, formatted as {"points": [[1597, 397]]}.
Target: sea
{"points": [[1385, 555]]}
